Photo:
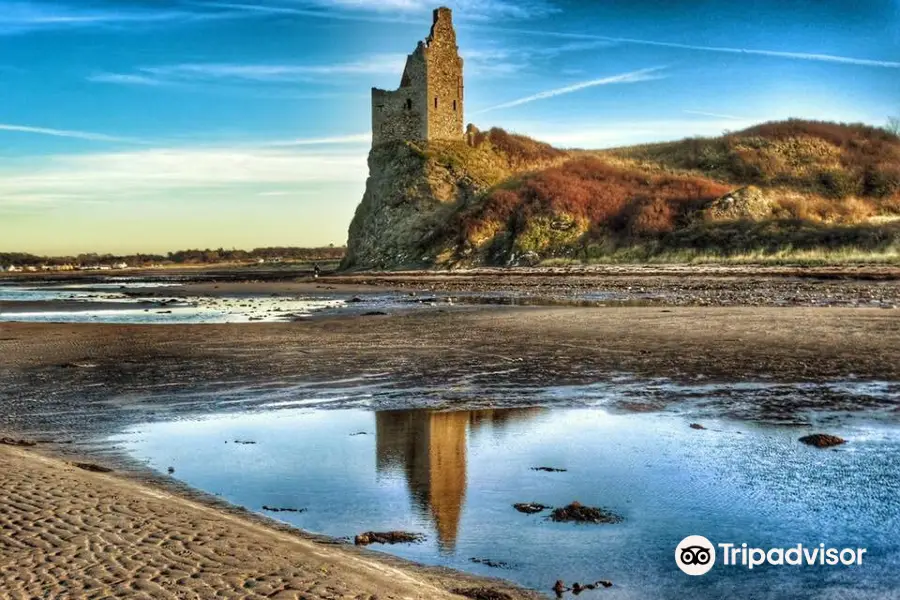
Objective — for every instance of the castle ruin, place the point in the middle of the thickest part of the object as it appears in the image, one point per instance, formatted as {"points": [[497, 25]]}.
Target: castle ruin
{"points": [[428, 105]]}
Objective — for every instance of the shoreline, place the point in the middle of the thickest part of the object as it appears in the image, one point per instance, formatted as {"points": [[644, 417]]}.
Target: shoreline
{"points": [[243, 554]]}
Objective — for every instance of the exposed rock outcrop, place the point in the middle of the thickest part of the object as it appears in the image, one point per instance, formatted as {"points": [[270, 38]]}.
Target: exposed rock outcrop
{"points": [[748, 203], [415, 187], [408, 195]]}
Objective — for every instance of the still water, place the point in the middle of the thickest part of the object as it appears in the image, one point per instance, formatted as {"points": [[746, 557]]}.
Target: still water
{"points": [[455, 475], [128, 302]]}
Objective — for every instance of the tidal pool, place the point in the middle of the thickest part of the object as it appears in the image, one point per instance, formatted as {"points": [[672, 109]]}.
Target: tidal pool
{"points": [[454, 477]]}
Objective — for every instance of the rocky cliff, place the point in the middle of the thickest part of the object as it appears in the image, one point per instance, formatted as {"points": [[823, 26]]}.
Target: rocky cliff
{"points": [[415, 188]]}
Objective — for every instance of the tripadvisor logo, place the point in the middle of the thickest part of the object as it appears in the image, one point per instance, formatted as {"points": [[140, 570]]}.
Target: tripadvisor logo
{"points": [[696, 555]]}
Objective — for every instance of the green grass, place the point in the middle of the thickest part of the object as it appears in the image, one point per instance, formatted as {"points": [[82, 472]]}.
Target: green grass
{"points": [[785, 256]]}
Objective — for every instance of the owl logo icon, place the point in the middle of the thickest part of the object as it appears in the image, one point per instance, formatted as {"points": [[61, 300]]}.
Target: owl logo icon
{"points": [[695, 555]]}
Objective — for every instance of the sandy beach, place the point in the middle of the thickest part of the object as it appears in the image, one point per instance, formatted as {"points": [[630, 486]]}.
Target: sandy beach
{"points": [[70, 533]]}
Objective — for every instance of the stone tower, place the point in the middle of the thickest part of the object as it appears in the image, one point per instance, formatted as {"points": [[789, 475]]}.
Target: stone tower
{"points": [[428, 105]]}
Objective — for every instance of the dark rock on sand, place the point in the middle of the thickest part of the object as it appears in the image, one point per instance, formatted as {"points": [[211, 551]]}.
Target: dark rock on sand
{"points": [[697, 426], [578, 513], [560, 587], [482, 593], [549, 469], [823, 440], [530, 508], [375, 313], [244, 442], [20, 443], [387, 537], [93, 468], [79, 365]]}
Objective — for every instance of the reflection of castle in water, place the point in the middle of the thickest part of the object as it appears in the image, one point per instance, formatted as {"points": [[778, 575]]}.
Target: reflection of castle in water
{"points": [[430, 448]]}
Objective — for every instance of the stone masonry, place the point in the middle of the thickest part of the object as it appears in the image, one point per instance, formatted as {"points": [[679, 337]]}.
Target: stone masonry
{"points": [[428, 105]]}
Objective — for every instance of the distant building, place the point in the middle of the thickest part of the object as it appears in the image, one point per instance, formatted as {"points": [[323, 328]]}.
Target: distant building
{"points": [[13, 269], [120, 265]]}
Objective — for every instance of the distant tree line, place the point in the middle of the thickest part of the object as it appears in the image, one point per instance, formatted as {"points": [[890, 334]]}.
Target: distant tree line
{"points": [[187, 257]]}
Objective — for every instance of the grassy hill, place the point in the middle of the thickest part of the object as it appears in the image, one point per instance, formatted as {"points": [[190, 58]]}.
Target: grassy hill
{"points": [[791, 190]]}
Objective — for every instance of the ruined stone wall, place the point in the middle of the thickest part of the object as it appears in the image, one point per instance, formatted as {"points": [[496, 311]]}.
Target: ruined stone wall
{"points": [[428, 105], [445, 80], [403, 114]]}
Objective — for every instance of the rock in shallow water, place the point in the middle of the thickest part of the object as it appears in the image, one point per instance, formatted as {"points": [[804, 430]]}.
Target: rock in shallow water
{"points": [[387, 537], [578, 513], [530, 508], [823, 440]]}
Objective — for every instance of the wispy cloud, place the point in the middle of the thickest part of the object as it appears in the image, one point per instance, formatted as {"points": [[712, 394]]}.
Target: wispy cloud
{"points": [[66, 133], [199, 72], [333, 140], [832, 58], [126, 79], [379, 63], [356, 138], [473, 9], [103, 176], [23, 17], [714, 115], [406, 11], [511, 60], [271, 9], [632, 77]]}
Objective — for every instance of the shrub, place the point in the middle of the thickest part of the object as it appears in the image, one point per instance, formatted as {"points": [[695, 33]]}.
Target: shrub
{"points": [[838, 184], [651, 217], [590, 191], [881, 181], [518, 149], [832, 158]]}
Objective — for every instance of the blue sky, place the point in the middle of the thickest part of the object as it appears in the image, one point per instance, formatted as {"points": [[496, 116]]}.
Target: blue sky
{"points": [[150, 125]]}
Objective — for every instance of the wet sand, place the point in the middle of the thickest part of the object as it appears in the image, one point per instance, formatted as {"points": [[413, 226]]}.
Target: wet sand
{"points": [[70, 533], [130, 534], [82, 380]]}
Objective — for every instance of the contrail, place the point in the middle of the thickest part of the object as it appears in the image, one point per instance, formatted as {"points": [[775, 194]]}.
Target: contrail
{"points": [[81, 135], [716, 115], [632, 77], [847, 60], [355, 138]]}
